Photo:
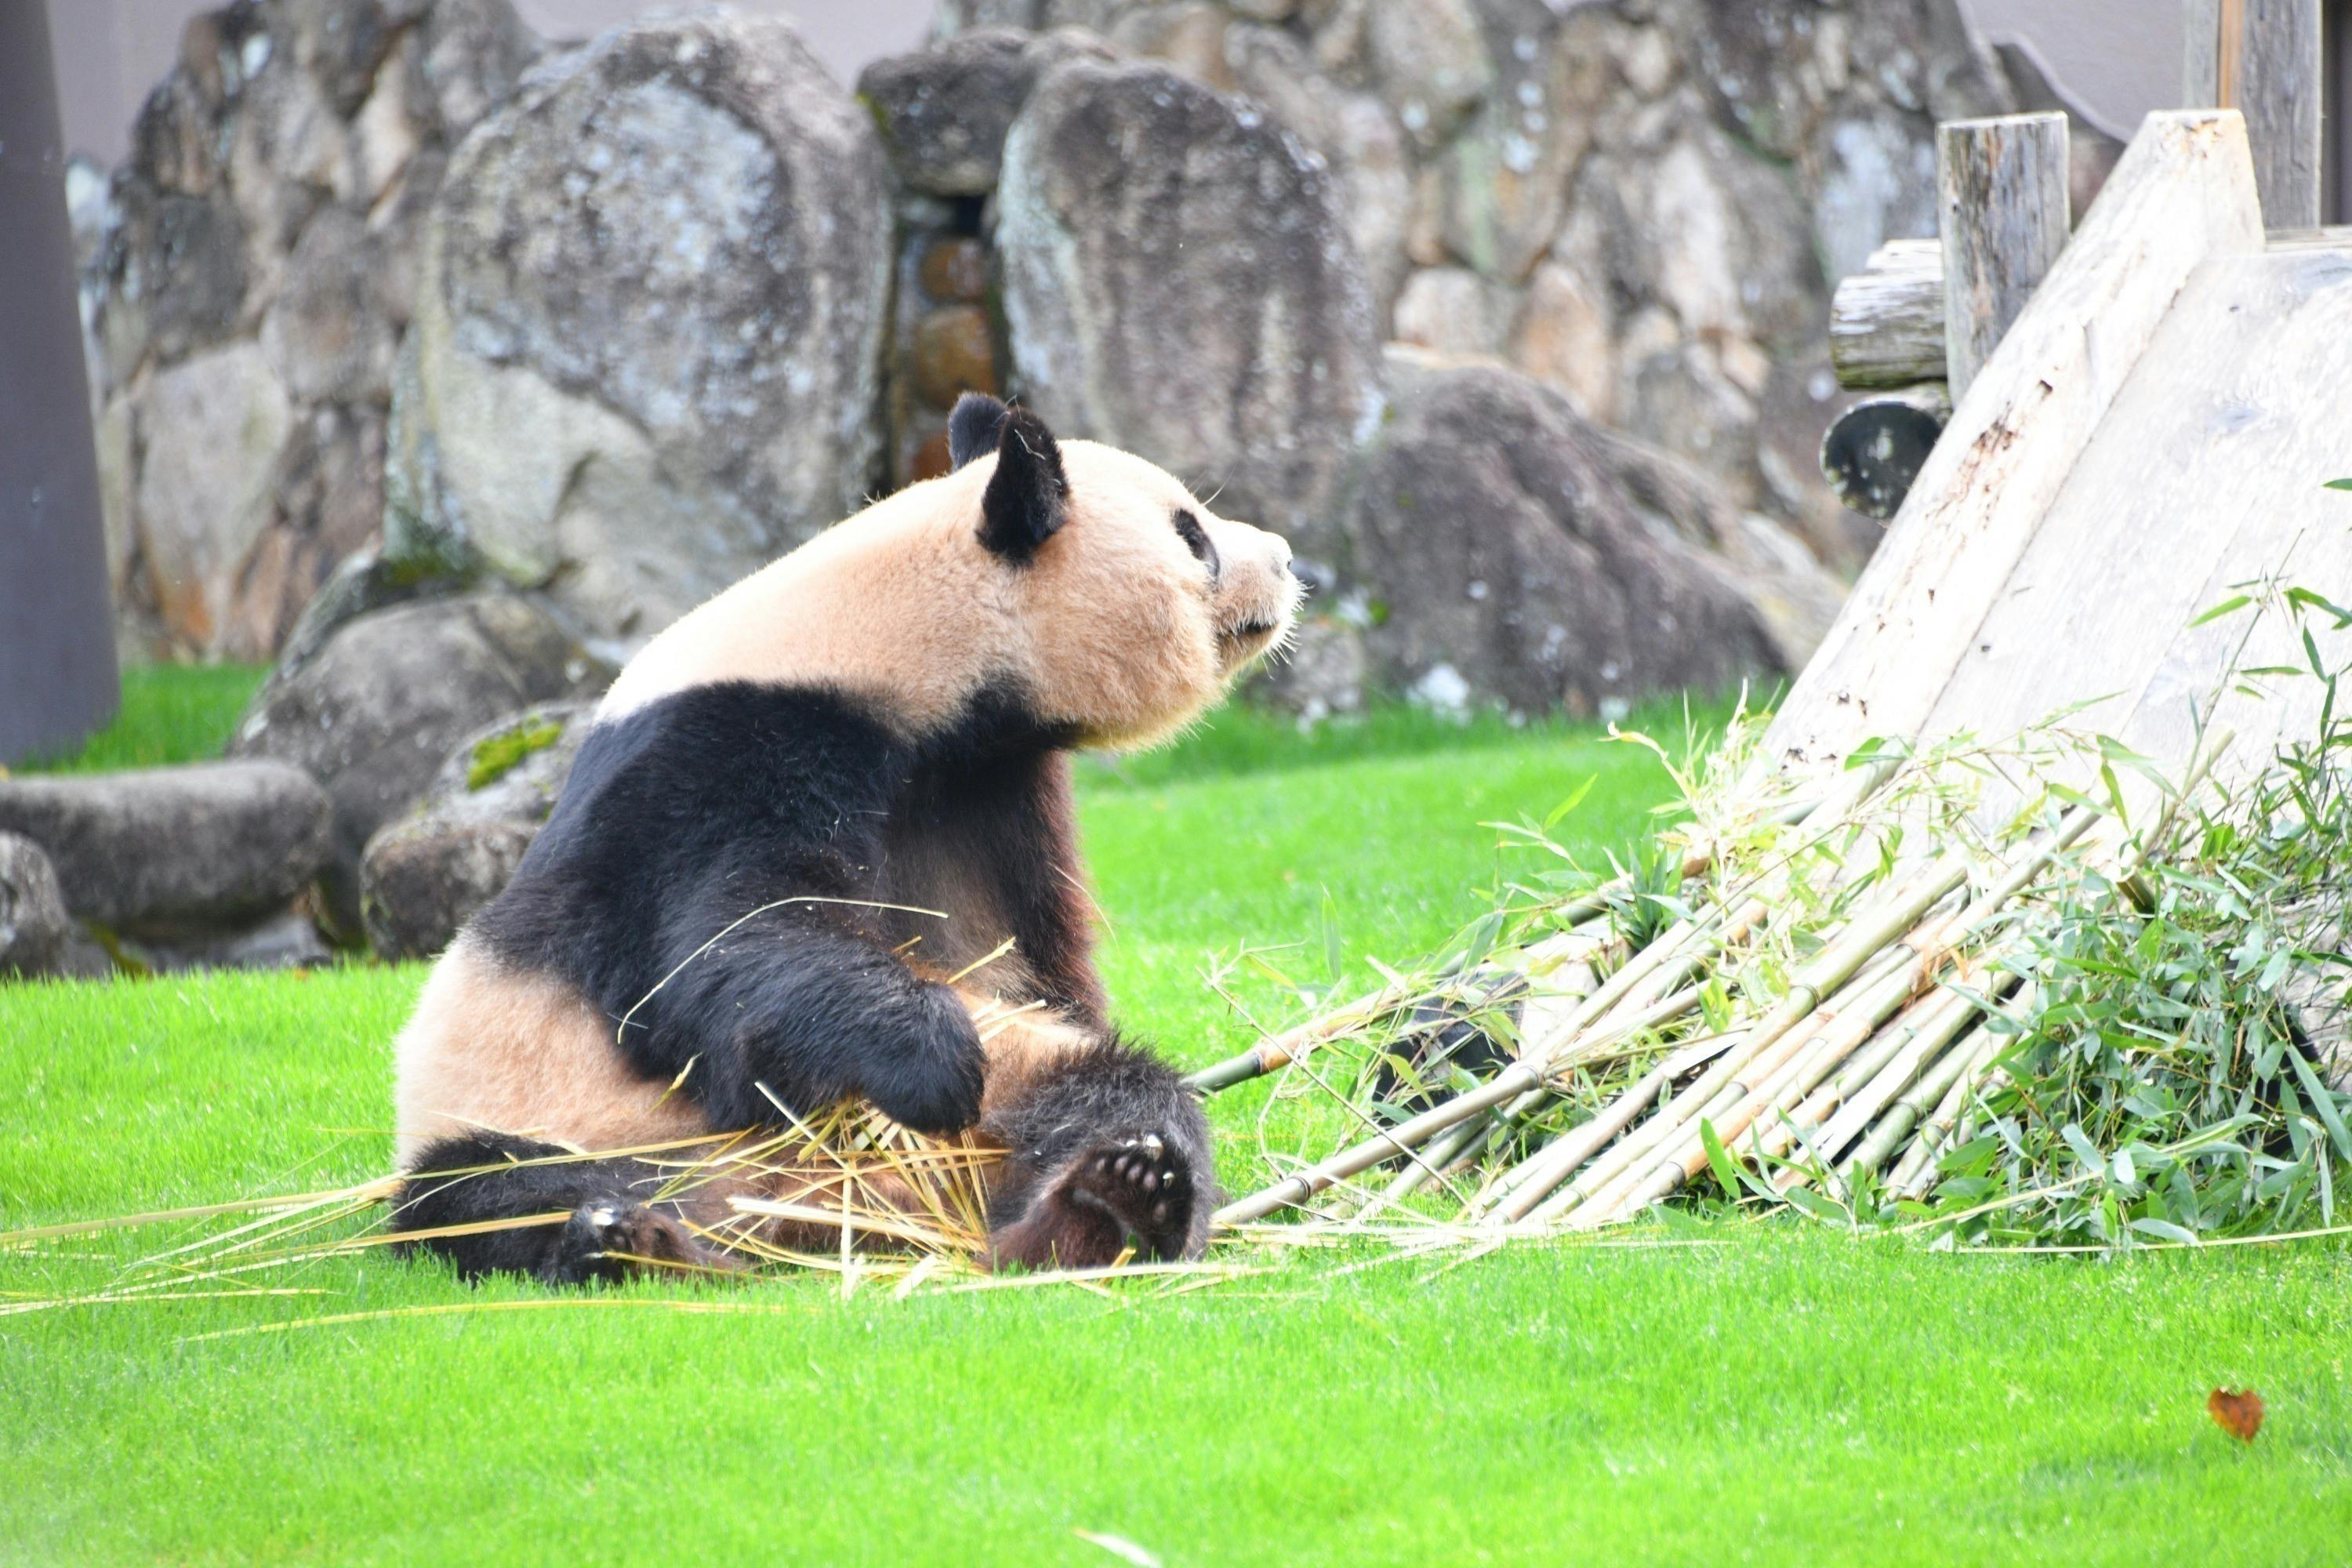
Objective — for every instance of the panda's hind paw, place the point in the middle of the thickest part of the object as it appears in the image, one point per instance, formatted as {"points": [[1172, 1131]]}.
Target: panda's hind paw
{"points": [[1142, 1184], [610, 1240]]}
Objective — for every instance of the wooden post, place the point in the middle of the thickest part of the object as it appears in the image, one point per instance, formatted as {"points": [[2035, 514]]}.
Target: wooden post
{"points": [[58, 678], [2262, 58], [2000, 188]]}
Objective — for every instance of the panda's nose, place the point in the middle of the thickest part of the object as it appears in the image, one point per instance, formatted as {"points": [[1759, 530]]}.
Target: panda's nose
{"points": [[1281, 554]]}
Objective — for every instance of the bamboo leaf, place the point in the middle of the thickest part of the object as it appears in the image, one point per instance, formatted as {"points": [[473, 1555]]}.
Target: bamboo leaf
{"points": [[1571, 803], [2228, 606], [2323, 1102], [1719, 1158]]}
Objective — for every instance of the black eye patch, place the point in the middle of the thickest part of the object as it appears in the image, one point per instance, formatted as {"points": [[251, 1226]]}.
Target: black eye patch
{"points": [[1196, 539]]}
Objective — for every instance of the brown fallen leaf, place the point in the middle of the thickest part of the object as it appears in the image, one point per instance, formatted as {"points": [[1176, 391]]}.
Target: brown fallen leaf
{"points": [[2238, 1414]]}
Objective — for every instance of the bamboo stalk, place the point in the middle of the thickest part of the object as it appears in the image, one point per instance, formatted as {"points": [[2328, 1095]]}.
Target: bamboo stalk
{"points": [[1945, 1128], [1952, 1074], [1934, 1022], [1828, 972]]}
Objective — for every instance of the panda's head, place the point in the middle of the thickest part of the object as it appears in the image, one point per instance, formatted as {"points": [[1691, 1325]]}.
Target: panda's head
{"points": [[1132, 603]]}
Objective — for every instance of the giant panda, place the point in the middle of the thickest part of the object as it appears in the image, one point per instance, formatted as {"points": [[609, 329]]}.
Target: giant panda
{"points": [[876, 725]]}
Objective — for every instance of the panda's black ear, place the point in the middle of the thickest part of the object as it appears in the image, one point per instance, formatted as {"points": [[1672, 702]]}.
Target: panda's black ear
{"points": [[1023, 503], [973, 427]]}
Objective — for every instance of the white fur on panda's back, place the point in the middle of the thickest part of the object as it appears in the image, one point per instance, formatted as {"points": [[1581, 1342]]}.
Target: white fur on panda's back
{"points": [[892, 605], [523, 1054]]}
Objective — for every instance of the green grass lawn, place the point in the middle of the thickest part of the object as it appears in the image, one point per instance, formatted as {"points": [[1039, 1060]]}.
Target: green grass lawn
{"points": [[1751, 1393]]}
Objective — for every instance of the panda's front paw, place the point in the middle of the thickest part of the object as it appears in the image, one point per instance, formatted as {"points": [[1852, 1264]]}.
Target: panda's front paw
{"points": [[609, 1241], [931, 1079]]}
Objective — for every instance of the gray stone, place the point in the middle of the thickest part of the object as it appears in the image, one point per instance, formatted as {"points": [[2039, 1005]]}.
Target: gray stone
{"points": [[36, 931], [1515, 567], [207, 842], [424, 878], [424, 875], [339, 43], [288, 939], [1794, 597], [943, 111], [474, 52], [1429, 60], [1177, 281], [1452, 310], [289, 153], [1322, 674], [174, 274], [328, 334], [1875, 182], [644, 356], [373, 713], [210, 430]]}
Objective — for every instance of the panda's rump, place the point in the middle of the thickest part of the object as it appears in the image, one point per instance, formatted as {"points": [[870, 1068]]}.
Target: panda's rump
{"points": [[491, 1047]]}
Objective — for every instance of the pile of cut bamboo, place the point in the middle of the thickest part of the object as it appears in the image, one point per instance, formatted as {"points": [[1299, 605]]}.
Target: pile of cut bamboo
{"points": [[1820, 1017]]}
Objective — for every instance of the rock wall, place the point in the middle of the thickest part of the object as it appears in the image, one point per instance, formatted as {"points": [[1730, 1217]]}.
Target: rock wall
{"points": [[1642, 203], [250, 274]]}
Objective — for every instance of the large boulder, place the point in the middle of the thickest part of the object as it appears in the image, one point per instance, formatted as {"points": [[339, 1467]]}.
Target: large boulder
{"points": [[213, 844], [1179, 280], [374, 711], [425, 875], [645, 353], [1514, 566]]}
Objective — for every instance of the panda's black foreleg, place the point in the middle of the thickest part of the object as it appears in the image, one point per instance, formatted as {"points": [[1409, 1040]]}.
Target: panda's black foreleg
{"points": [[610, 1225], [1108, 1152], [802, 1014]]}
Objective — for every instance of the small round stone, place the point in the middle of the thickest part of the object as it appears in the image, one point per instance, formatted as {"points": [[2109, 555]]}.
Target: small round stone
{"points": [[955, 270]]}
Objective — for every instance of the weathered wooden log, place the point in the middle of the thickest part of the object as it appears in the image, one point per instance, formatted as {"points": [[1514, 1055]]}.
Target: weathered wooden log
{"points": [[1872, 452], [1886, 322], [2000, 188], [2262, 58]]}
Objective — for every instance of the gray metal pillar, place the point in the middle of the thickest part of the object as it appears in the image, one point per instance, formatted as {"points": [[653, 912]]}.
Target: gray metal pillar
{"points": [[58, 680]]}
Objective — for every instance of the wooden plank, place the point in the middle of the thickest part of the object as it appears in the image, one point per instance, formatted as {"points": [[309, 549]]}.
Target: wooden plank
{"points": [[2183, 192], [2338, 237], [2269, 69], [2238, 393], [2000, 188], [1886, 322]]}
